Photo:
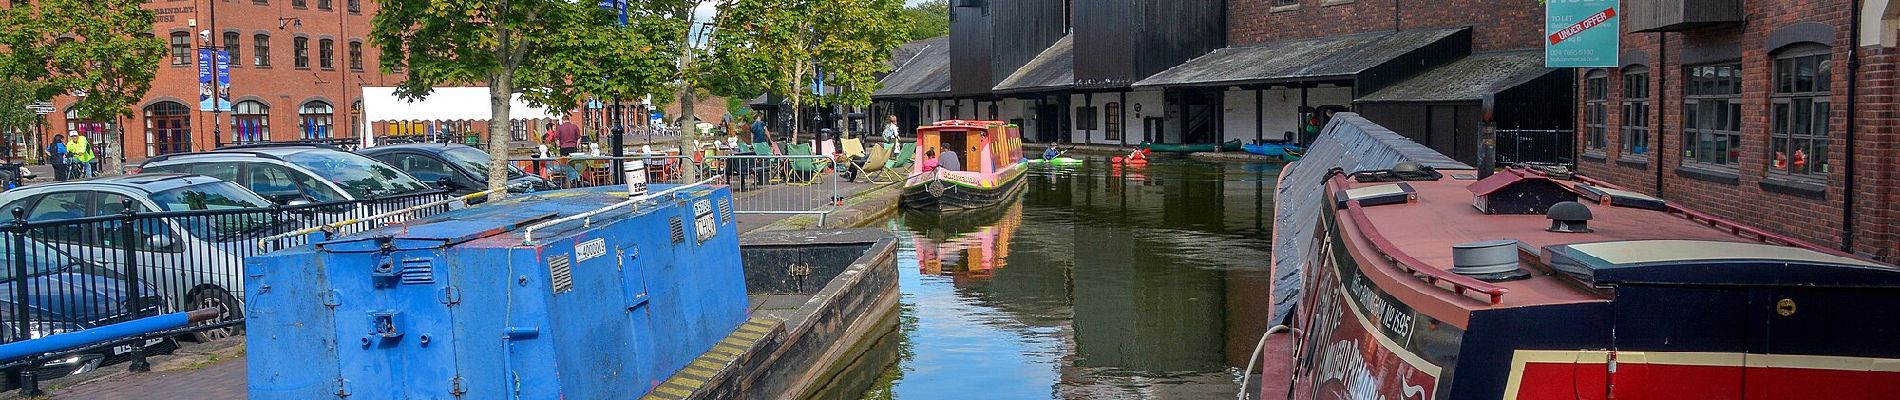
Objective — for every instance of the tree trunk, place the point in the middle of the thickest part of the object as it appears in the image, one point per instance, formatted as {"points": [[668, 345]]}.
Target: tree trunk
{"points": [[113, 161], [500, 91], [689, 131]]}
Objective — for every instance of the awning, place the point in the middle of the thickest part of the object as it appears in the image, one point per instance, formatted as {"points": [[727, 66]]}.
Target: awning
{"points": [[380, 104], [1468, 79], [925, 74], [1054, 69], [1298, 60]]}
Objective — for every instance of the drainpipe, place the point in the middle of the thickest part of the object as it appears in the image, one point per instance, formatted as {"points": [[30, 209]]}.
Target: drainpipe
{"points": [[1662, 82], [1853, 86]]}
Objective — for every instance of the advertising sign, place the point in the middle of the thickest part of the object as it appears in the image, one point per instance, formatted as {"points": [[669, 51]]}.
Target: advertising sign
{"points": [[1582, 33], [210, 61]]}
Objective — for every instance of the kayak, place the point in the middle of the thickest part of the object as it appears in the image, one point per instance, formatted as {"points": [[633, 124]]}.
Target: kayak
{"points": [[1231, 145], [1129, 161], [1272, 149], [1056, 161]]}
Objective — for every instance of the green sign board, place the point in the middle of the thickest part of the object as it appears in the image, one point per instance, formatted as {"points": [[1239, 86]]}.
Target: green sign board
{"points": [[1581, 33]]}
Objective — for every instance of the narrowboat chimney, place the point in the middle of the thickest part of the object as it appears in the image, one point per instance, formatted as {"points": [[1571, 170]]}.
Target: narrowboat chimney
{"points": [[1569, 217], [1485, 259]]}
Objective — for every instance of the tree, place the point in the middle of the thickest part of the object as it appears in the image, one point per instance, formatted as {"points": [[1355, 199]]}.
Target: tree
{"points": [[928, 19], [103, 49], [15, 117], [553, 53], [787, 46]]}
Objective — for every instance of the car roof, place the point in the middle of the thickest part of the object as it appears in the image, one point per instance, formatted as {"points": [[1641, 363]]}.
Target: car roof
{"points": [[423, 147], [271, 151], [146, 183]]}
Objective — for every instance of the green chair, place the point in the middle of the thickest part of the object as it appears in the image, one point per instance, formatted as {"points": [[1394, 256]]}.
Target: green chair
{"points": [[905, 155], [805, 170]]}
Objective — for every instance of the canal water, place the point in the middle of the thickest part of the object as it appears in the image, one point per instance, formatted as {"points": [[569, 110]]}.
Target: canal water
{"points": [[1101, 282]]}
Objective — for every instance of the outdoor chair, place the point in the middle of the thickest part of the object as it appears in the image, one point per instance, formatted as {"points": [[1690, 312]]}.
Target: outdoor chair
{"points": [[853, 148], [876, 166], [805, 170], [899, 164]]}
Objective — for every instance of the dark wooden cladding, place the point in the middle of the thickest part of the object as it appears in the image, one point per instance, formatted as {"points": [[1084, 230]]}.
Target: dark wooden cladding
{"points": [[993, 39], [1679, 15], [1119, 42]]}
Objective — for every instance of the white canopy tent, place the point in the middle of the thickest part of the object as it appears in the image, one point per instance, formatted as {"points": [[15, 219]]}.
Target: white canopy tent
{"points": [[380, 104]]}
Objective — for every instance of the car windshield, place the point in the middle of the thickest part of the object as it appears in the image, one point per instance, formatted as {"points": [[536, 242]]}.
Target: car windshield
{"points": [[218, 196], [359, 175], [475, 162], [40, 259]]}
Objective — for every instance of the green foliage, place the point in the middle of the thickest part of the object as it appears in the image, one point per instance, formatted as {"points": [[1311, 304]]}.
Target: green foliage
{"points": [[928, 19], [553, 52], [102, 48], [15, 95], [782, 45]]}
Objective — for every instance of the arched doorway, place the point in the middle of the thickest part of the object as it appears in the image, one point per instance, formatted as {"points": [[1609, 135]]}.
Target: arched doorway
{"points": [[167, 128]]}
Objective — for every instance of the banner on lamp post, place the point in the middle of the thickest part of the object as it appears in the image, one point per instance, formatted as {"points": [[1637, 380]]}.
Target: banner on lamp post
{"points": [[1582, 33], [214, 66]]}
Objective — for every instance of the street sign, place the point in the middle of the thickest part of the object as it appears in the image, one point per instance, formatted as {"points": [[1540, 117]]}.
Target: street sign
{"points": [[41, 107], [1582, 33]]}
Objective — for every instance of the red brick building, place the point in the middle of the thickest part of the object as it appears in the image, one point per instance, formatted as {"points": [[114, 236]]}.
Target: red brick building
{"points": [[1768, 122]]}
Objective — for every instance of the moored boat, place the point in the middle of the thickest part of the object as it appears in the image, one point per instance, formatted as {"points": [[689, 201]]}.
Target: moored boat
{"points": [[1231, 145], [980, 165], [1416, 281], [1287, 151]]}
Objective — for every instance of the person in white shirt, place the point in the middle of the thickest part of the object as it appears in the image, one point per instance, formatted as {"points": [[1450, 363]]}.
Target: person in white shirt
{"points": [[890, 129]]}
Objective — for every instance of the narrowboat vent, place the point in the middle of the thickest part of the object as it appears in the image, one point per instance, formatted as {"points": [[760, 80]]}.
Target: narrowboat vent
{"points": [[1486, 260], [1569, 217]]}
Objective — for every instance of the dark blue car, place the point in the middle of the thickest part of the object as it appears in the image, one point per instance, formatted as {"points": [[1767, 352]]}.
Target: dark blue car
{"points": [[66, 294]]}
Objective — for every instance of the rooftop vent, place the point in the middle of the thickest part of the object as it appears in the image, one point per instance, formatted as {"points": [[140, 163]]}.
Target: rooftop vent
{"points": [[1569, 217], [1489, 260]]}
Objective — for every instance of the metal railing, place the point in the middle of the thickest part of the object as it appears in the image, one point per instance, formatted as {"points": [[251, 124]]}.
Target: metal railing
{"points": [[1536, 146], [761, 184], [75, 266]]}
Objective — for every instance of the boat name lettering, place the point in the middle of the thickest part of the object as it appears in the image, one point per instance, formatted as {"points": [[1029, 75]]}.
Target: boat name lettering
{"points": [[1390, 317], [1346, 364], [590, 249]]}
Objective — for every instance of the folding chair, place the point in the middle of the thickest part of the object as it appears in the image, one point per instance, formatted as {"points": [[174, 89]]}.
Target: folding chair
{"points": [[853, 148], [876, 165], [805, 170]]}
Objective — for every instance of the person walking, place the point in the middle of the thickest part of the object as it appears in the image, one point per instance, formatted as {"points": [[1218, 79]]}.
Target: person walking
{"points": [[56, 157], [890, 129], [758, 129], [81, 150]]}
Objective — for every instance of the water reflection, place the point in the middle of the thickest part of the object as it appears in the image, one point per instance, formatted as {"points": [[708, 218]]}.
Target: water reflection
{"points": [[1102, 282]]}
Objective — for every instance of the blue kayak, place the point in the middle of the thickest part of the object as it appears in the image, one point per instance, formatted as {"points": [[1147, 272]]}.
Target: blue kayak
{"points": [[1283, 150]]}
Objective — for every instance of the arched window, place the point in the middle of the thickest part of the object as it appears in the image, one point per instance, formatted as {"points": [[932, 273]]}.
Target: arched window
{"points": [[356, 119], [318, 118], [167, 128], [250, 122], [1112, 121]]}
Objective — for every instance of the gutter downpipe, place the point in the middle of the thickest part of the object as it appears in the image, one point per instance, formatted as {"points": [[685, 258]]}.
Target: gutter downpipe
{"points": [[1853, 79], [1662, 105]]}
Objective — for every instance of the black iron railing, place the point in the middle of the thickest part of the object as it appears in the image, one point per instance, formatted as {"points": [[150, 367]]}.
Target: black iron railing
{"points": [[124, 262]]}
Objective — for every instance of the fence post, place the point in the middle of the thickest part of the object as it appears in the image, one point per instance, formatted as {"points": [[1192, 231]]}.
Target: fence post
{"points": [[22, 314], [128, 240]]}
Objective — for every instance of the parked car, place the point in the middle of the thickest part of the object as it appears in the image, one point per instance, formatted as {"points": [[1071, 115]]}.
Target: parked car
{"points": [[293, 173], [197, 261], [462, 168], [69, 294]]}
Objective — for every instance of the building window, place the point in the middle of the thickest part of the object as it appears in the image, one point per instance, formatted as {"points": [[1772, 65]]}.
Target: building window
{"points": [[260, 45], [355, 6], [318, 119], [1596, 86], [1636, 111], [300, 52], [1112, 118], [323, 4], [299, 3], [326, 53], [356, 55], [1085, 118], [231, 44], [250, 122], [261, 2], [74, 123], [181, 48], [1712, 115], [1285, 3], [167, 128], [356, 118], [1798, 119]]}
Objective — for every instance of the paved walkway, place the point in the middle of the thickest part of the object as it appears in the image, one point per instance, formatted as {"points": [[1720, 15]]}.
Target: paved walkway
{"points": [[214, 372]]}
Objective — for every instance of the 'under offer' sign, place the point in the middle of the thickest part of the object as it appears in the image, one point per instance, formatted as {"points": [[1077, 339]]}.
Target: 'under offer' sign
{"points": [[1581, 33]]}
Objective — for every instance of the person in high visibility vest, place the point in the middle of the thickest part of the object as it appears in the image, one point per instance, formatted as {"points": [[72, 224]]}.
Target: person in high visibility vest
{"points": [[81, 151]]}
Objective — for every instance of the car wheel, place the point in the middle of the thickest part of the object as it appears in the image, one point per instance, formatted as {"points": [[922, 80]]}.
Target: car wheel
{"points": [[228, 310]]}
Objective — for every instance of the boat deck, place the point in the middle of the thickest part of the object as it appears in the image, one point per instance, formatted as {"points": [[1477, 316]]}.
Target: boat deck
{"points": [[1443, 214]]}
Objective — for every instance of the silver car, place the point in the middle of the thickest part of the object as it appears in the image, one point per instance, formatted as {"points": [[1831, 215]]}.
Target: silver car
{"points": [[195, 260]]}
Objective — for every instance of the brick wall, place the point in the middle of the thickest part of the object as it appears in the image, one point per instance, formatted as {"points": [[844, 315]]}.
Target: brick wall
{"points": [[1815, 216], [1496, 24]]}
